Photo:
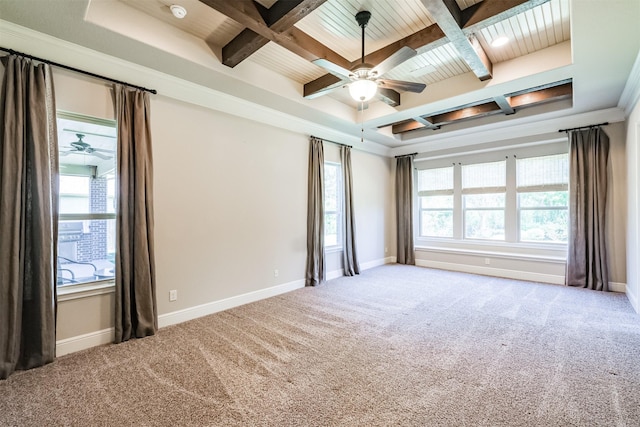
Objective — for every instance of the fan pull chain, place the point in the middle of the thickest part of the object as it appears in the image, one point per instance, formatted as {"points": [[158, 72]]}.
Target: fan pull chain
{"points": [[362, 122]]}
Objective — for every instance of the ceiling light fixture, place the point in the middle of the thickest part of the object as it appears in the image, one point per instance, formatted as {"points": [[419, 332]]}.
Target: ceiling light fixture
{"points": [[178, 11], [500, 41], [363, 90]]}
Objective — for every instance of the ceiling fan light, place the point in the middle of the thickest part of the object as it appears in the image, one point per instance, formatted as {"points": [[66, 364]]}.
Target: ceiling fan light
{"points": [[363, 90]]}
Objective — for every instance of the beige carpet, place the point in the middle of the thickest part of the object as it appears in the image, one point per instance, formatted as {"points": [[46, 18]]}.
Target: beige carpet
{"points": [[395, 346]]}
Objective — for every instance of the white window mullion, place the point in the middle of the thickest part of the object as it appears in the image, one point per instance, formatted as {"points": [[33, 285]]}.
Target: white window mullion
{"points": [[458, 224], [511, 203]]}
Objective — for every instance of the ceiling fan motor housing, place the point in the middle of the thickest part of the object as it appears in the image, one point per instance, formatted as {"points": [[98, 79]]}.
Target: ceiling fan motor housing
{"points": [[362, 71], [363, 17]]}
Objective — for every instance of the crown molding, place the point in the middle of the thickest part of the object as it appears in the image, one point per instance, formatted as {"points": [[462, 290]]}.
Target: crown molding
{"points": [[631, 93]]}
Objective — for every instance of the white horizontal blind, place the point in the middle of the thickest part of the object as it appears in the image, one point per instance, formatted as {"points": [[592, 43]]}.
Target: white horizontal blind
{"points": [[484, 177], [432, 182], [543, 173]]}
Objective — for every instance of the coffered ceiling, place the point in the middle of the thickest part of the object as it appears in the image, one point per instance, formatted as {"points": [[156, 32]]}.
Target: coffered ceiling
{"points": [[274, 54]]}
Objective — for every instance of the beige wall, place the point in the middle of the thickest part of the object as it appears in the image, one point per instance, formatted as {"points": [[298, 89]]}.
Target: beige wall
{"points": [[230, 204]]}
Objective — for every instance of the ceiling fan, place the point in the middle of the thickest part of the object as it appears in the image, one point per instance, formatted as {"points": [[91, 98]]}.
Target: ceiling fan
{"points": [[364, 79], [81, 147]]}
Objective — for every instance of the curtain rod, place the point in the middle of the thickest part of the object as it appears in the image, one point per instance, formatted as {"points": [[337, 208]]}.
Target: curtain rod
{"points": [[406, 155], [333, 142], [77, 70], [584, 127]]}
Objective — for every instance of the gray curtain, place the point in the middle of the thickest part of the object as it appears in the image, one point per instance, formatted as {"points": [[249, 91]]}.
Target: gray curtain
{"points": [[587, 254], [316, 268], [28, 216], [135, 301], [404, 210], [349, 257]]}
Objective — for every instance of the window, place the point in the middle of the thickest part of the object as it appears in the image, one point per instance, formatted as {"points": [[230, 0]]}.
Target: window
{"points": [[495, 198], [332, 204], [484, 189], [542, 186], [435, 191], [87, 199]]}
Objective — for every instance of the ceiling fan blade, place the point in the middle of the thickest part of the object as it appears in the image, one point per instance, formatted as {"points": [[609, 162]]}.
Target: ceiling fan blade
{"points": [[102, 150], [101, 156], [334, 69], [397, 58], [401, 85]]}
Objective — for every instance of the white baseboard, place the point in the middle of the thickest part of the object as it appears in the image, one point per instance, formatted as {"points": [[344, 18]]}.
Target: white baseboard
{"points": [[618, 287], [363, 266], [85, 341], [225, 304], [512, 274], [377, 263], [489, 271]]}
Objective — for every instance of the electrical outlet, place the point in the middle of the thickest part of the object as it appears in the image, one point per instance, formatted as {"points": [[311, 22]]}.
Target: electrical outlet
{"points": [[276, 273], [173, 295], [487, 261]]}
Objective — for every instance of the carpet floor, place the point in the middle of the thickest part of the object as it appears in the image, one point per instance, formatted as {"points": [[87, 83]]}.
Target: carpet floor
{"points": [[394, 346]]}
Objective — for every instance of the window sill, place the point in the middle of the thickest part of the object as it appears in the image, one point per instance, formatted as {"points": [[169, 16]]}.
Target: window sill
{"points": [[332, 249], [549, 252], [85, 290]]}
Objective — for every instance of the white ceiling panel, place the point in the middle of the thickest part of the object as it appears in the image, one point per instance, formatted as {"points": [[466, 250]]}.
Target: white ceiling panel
{"points": [[533, 30], [333, 24], [282, 61]]}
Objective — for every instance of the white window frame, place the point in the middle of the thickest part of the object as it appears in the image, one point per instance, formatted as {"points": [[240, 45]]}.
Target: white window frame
{"points": [[339, 206], [564, 187], [428, 193], [511, 244], [99, 286], [483, 190]]}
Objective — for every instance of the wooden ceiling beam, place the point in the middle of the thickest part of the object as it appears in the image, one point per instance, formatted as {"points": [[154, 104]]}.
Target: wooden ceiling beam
{"points": [[506, 104], [321, 86], [555, 93], [406, 126], [264, 25], [490, 12], [389, 96], [476, 111], [448, 15]]}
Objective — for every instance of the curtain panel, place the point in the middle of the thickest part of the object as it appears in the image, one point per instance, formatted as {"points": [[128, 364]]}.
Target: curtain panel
{"points": [[404, 210], [349, 258], [587, 254], [135, 299], [28, 215], [316, 268]]}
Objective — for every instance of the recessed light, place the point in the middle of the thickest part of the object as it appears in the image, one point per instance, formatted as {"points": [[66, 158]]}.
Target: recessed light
{"points": [[178, 11], [500, 41]]}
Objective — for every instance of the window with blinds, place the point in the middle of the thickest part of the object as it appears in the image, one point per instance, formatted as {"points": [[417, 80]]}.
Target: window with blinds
{"points": [[435, 192], [483, 200], [542, 188], [332, 204]]}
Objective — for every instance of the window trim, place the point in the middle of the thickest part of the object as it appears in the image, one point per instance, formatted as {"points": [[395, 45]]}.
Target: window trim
{"points": [[71, 291]]}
